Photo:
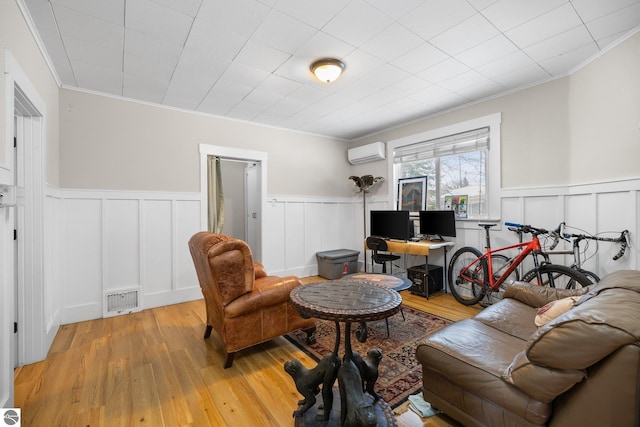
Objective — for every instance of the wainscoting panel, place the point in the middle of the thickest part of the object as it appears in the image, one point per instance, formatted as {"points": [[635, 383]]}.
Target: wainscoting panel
{"points": [[157, 245], [122, 249], [186, 222], [82, 260], [127, 240]]}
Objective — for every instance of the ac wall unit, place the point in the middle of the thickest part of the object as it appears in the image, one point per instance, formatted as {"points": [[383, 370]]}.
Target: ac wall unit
{"points": [[366, 153]]}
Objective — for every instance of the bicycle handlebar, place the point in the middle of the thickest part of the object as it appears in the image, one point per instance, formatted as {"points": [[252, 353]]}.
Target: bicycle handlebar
{"points": [[526, 228], [623, 245], [622, 239]]}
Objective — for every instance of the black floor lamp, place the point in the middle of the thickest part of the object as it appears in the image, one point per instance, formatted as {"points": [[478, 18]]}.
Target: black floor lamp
{"points": [[364, 184]]}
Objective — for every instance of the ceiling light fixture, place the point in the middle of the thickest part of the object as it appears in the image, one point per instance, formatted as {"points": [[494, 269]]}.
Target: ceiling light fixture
{"points": [[327, 70]]}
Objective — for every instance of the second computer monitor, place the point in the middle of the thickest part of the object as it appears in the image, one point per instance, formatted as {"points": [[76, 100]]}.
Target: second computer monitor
{"points": [[437, 224]]}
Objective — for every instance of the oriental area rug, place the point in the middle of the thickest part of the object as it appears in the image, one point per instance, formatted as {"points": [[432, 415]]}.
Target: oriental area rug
{"points": [[400, 374]]}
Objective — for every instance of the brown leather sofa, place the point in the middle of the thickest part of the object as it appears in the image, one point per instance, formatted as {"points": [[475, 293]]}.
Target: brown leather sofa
{"points": [[244, 305], [580, 369]]}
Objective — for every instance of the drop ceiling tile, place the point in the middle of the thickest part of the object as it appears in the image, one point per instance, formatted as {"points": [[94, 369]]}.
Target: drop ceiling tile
{"points": [[323, 45], [307, 94], [286, 107], [508, 65], [560, 64], [188, 7], [359, 90], [240, 17], [462, 81], [245, 111], [102, 56], [482, 4], [392, 42], [262, 57], [409, 85], [481, 90], [590, 10], [214, 42], [443, 71], [283, 32], [279, 85], [359, 63], [88, 28], [524, 76], [188, 88], [42, 15], [508, 14], [465, 35], [385, 75], [244, 75], [141, 68], [162, 53], [101, 79], [622, 20], [56, 51], [429, 94], [263, 98], [421, 58], [395, 9], [545, 26], [200, 63], [316, 14], [437, 16], [557, 45], [484, 53], [357, 23], [224, 96], [112, 10], [145, 89], [167, 24]]}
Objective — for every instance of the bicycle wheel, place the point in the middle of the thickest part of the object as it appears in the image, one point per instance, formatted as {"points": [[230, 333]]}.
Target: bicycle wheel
{"points": [[593, 277], [467, 288], [499, 263], [558, 276]]}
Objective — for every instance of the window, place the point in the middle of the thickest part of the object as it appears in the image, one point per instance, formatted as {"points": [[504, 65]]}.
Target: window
{"points": [[461, 163], [455, 167]]}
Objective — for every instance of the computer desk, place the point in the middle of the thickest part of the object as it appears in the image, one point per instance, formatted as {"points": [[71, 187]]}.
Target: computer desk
{"points": [[422, 247]]}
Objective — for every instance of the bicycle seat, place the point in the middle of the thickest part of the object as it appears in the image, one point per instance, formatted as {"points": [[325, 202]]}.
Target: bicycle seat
{"points": [[486, 225]]}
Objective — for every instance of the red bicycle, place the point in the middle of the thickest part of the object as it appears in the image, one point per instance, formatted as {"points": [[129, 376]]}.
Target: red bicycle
{"points": [[473, 275]]}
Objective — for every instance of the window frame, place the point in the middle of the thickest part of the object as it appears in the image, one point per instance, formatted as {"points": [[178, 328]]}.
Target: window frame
{"points": [[493, 122]]}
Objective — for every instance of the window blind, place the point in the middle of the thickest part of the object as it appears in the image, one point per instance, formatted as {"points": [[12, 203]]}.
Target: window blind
{"points": [[464, 142]]}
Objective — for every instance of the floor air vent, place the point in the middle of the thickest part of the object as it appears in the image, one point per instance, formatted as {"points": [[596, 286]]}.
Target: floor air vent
{"points": [[121, 302]]}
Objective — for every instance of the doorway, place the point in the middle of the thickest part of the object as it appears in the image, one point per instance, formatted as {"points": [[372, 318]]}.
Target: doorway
{"points": [[22, 172], [246, 189]]}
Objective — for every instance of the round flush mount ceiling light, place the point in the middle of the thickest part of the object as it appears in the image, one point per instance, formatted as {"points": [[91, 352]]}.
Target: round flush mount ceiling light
{"points": [[327, 70]]}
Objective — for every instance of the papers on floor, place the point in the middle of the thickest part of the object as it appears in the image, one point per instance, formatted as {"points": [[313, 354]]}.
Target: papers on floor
{"points": [[418, 405]]}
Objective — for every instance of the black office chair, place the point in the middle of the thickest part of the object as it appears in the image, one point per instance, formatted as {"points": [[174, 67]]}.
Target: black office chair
{"points": [[377, 244]]}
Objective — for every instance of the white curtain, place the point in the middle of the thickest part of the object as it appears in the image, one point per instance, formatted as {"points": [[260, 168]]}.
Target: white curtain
{"points": [[215, 196]]}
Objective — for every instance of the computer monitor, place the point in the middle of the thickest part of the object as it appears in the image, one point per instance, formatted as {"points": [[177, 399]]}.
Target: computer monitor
{"points": [[436, 224], [390, 224]]}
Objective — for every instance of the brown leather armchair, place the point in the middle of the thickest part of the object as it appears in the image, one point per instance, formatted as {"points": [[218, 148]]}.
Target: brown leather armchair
{"points": [[244, 305]]}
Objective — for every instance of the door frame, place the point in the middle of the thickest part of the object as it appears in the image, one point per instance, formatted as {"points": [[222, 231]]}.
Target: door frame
{"points": [[23, 100], [259, 157]]}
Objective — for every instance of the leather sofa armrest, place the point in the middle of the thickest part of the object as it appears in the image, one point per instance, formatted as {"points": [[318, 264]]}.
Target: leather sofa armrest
{"points": [[537, 296]]}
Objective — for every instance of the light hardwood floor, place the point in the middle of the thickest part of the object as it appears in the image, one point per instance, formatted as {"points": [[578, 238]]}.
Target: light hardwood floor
{"points": [[154, 368]]}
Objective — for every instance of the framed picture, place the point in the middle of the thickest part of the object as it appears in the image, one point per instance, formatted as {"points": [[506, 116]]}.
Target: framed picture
{"points": [[412, 194], [458, 204]]}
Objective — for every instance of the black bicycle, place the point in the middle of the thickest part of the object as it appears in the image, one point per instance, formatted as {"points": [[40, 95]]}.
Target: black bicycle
{"points": [[579, 252]]}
